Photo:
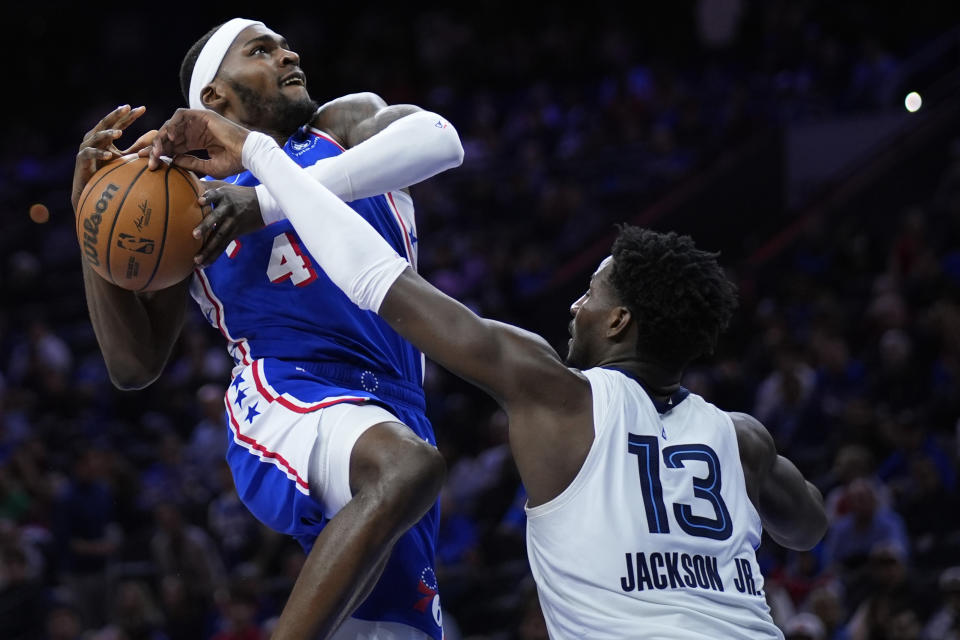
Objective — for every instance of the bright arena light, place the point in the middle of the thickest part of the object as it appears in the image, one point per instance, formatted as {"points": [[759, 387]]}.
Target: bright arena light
{"points": [[913, 101]]}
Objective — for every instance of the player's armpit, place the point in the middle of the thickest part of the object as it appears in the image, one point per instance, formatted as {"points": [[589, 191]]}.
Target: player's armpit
{"points": [[790, 508]]}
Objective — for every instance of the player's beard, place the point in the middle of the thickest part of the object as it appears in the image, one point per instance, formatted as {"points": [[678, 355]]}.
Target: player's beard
{"points": [[574, 358], [278, 114]]}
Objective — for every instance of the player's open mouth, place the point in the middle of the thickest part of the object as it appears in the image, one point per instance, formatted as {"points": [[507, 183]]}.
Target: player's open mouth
{"points": [[295, 79]]}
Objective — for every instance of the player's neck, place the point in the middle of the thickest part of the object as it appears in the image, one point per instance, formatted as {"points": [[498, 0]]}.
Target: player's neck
{"points": [[280, 138], [659, 382], [242, 118]]}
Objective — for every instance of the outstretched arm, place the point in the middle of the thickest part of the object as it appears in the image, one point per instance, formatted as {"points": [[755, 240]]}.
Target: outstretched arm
{"points": [[519, 369], [790, 507], [497, 357], [547, 403]]}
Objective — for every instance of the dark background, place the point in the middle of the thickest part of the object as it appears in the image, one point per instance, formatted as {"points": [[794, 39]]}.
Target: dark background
{"points": [[117, 519]]}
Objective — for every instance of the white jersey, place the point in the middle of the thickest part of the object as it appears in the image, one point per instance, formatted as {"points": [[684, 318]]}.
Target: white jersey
{"points": [[655, 538]]}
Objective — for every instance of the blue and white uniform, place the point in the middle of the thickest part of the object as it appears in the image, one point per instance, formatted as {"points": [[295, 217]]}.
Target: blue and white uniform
{"points": [[299, 346], [655, 538]]}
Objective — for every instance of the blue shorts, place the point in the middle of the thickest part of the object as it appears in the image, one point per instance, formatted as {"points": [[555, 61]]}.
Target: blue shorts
{"points": [[272, 417]]}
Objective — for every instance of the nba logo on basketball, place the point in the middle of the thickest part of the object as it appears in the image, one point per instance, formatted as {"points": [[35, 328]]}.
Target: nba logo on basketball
{"points": [[132, 243]]}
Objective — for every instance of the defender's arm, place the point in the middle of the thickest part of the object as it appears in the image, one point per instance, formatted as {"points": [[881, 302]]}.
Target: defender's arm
{"points": [[505, 361], [509, 363], [549, 404], [512, 365], [790, 507]]}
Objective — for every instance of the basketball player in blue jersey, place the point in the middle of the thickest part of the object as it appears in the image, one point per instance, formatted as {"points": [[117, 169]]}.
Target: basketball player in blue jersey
{"points": [[646, 503], [328, 441]]}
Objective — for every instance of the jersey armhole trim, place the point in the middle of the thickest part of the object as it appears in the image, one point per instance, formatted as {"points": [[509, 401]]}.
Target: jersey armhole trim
{"points": [[326, 136], [589, 463], [398, 218]]}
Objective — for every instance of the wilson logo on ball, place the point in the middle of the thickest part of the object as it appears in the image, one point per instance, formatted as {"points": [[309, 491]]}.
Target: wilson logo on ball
{"points": [[91, 226]]}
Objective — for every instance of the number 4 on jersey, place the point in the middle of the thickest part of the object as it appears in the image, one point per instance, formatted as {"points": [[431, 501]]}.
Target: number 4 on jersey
{"points": [[289, 262]]}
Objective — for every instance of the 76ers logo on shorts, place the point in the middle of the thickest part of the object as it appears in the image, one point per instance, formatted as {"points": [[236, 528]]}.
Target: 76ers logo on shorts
{"points": [[430, 598]]}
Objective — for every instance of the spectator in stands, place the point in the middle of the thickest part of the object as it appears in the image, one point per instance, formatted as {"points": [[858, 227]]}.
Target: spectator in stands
{"points": [[135, 614], [852, 536], [86, 536], [804, 626], [826, 602], [187, 552], [945, 622], [22, 602]]}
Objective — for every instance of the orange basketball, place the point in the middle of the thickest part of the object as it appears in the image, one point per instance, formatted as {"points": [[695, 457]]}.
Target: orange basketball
{"points": [[135, 226]]}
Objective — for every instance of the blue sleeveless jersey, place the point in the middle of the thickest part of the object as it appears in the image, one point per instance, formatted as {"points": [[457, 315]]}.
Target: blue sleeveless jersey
{"points": [[298, 341], [277, 303]]}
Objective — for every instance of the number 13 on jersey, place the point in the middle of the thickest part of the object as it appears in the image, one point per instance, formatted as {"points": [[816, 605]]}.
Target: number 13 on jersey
{"points": [[647, 450]]}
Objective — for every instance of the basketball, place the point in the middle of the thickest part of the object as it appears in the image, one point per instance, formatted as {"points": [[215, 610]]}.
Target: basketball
{"points": [[135, 226]]}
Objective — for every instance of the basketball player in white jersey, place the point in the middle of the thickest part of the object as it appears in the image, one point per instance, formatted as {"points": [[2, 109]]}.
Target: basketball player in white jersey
{"points": [[646, 502]]}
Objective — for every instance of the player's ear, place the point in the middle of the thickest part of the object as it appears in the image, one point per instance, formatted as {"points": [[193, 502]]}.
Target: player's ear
{"points": [[618, 321], [213, 98]]}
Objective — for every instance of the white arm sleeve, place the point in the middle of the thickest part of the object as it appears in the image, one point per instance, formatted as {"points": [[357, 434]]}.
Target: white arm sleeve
{"points": [[356, 258], [407, 151]]}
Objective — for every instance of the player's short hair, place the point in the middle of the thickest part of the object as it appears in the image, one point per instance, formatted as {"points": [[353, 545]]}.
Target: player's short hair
{"points": [[679, 295], [190, 61]]}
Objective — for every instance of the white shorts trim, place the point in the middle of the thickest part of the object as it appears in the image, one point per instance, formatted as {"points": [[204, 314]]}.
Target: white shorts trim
{"points": [[338, 429]]}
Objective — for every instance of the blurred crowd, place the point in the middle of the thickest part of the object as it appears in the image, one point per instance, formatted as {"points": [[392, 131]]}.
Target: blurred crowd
{"points": [[118, 516], [849, 355]]}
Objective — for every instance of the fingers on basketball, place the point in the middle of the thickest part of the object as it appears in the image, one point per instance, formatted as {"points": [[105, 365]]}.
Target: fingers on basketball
{"points": [[134, 226]]}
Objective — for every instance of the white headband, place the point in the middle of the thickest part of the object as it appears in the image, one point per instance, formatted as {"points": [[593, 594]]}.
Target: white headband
{"points": [[211, 56]]}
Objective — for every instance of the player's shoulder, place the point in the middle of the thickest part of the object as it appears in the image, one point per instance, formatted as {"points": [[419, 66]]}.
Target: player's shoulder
{"points": [[536, 346], [363, 104], [757, 447], [519, 334], [339, 116], [538, 372]]}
